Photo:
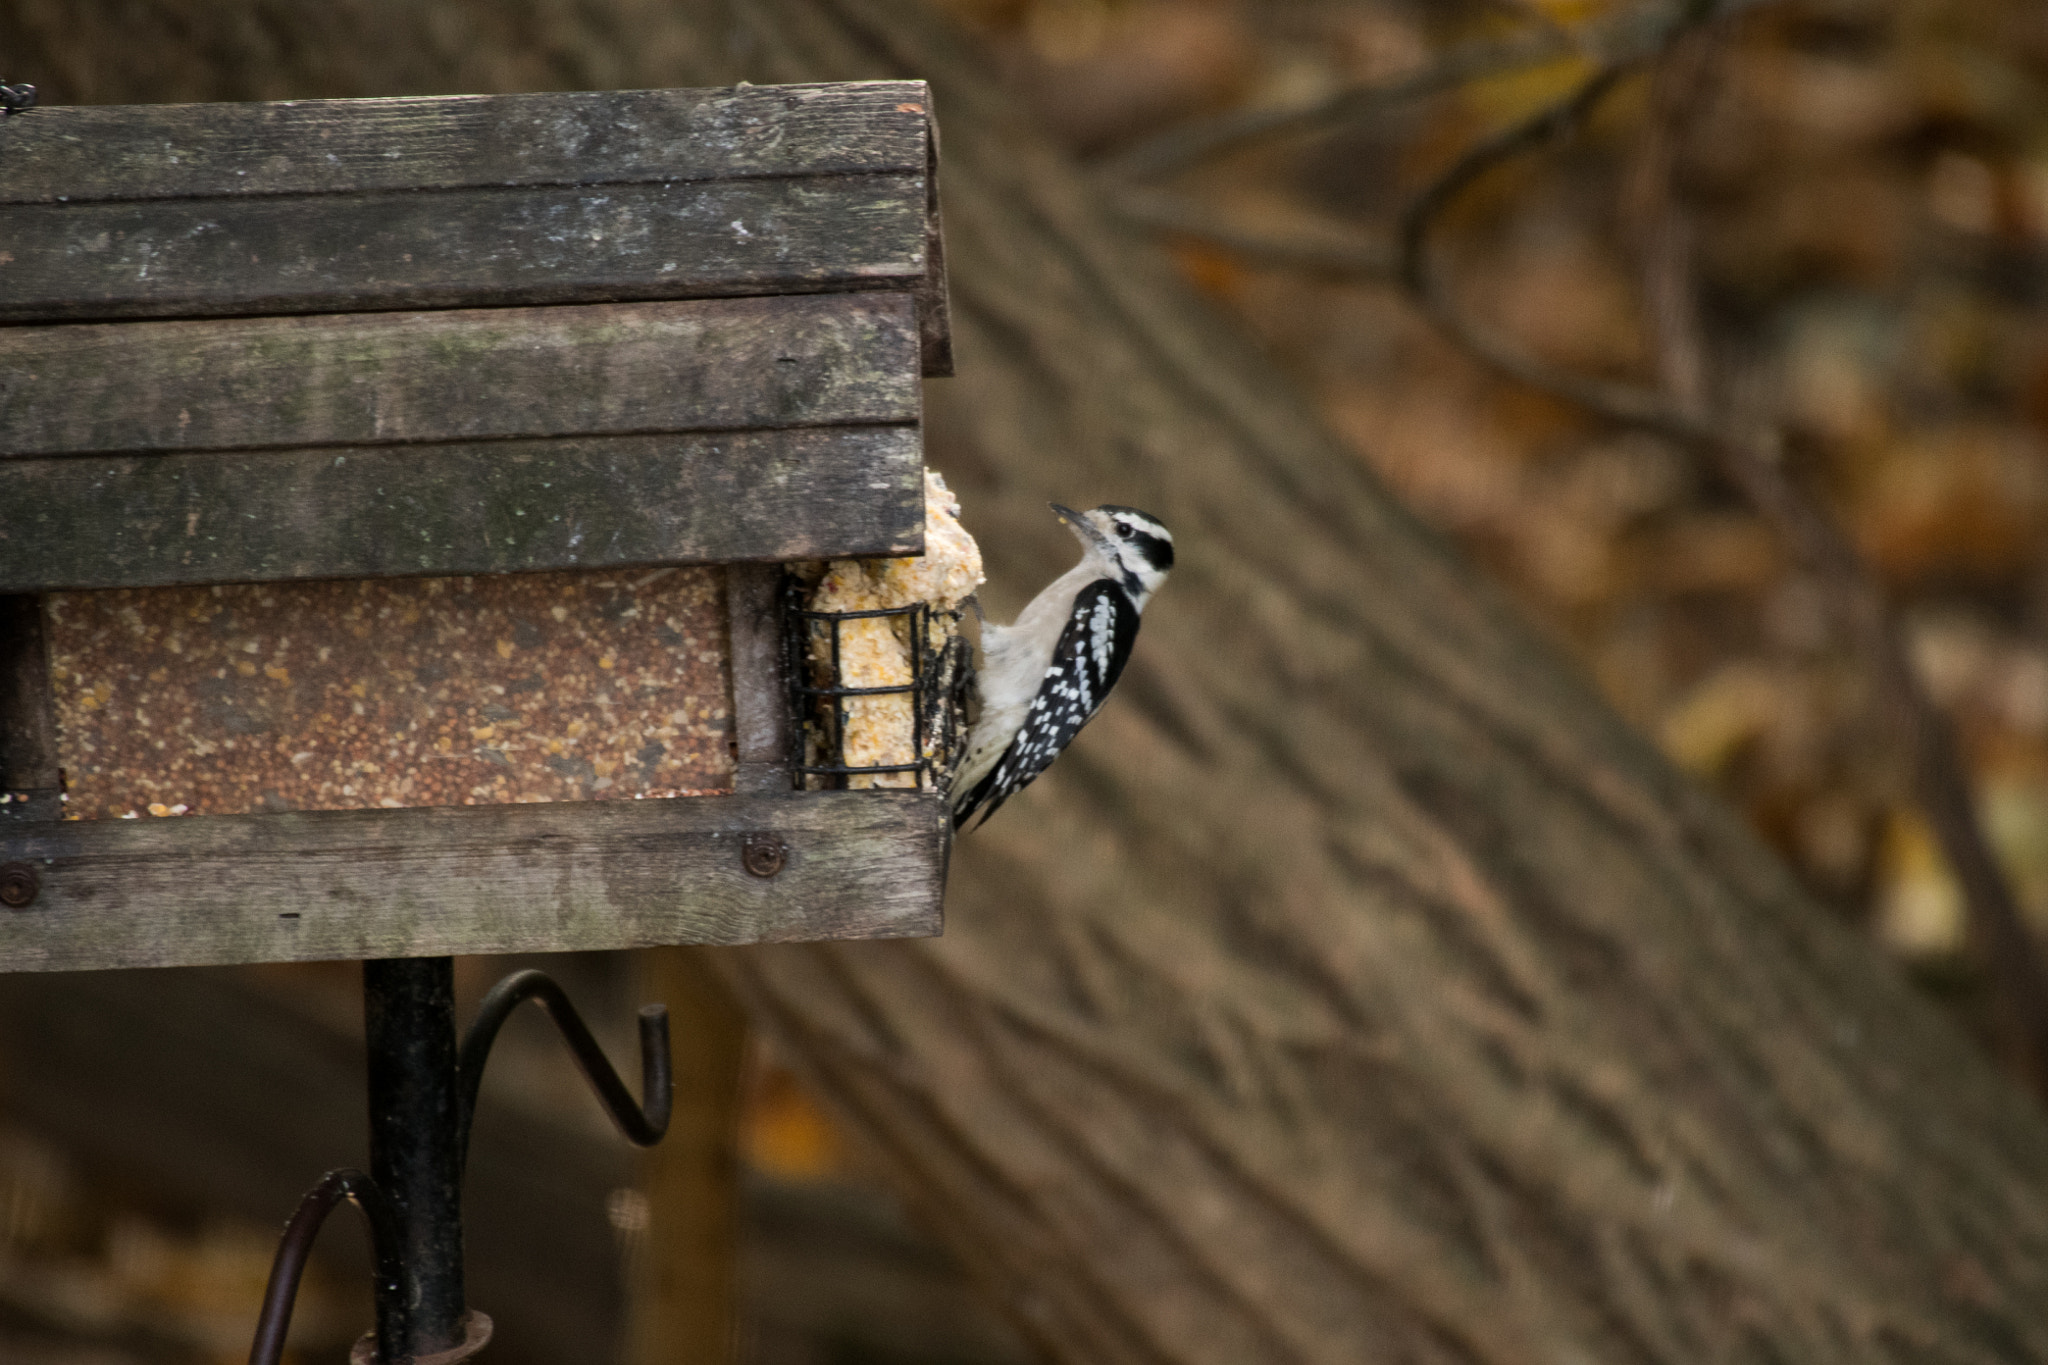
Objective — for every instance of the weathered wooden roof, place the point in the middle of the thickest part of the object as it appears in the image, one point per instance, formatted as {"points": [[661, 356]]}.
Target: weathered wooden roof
{"points": [[191, 210], [344, 338]]}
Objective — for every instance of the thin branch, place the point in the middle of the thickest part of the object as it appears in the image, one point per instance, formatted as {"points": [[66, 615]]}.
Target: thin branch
{"points": [[1328, 252], [1622, 402], [1183, 146], [1665, 236], [1622, 39], [1531, 12], [1750, 458]]}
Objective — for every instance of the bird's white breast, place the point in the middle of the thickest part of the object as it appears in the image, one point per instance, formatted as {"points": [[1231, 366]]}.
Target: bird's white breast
{"points": [[1014, 660]]}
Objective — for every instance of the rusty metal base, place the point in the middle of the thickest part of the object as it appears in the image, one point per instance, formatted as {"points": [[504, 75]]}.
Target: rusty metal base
{"points": [[476, 1334]]}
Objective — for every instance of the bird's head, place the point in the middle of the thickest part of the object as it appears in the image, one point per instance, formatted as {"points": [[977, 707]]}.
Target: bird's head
{"points": [[1134, 547]]}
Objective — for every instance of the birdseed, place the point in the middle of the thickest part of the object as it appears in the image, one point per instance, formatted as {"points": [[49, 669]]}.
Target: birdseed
{"points": [[391, 693]]}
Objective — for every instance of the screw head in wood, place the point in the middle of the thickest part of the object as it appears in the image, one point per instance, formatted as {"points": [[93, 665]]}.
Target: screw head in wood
{"points": [[763, 854], [19, 886]]}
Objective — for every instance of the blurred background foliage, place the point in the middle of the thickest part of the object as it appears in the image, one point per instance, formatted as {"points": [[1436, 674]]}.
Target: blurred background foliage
{"points": [[1868, 184]]}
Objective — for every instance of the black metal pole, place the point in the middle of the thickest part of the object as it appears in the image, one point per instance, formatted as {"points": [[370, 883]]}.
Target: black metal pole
{"points": [[415, 1122]]}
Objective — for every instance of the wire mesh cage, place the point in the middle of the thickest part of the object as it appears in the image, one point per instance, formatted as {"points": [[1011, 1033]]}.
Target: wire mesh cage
{"points": [[920, 741]]}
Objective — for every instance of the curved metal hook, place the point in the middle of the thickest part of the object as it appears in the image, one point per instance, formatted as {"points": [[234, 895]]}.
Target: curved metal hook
{"points": [[282, 1293], [641, 1126]]}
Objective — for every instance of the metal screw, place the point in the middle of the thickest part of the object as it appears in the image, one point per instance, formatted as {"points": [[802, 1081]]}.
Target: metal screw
{"points": [[19, 886], [763, 854]]}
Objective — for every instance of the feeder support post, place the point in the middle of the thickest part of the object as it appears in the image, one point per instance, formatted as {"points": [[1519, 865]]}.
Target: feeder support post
{"points": [[409, 1027]]}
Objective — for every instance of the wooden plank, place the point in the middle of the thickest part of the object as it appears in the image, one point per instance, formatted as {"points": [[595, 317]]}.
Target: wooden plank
{"points": [[31, 783], [483, 879], [447, 202], [93, 521], [461, 248], [167, 151], [465, 374], [934, 313], [760, 688]]}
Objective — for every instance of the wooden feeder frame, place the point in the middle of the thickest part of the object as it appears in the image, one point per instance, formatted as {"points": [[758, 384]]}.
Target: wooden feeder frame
{"points": [[424, 232]]}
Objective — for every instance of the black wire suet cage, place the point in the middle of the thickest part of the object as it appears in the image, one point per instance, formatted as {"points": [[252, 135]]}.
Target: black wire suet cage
{"points": [[940, 677]]}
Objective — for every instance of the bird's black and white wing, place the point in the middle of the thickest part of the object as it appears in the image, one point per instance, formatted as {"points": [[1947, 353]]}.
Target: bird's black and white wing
{"points": [[1086, 663]]}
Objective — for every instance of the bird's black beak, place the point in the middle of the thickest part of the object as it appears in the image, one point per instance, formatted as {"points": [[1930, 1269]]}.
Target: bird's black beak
{"points": [[1084, 530]]}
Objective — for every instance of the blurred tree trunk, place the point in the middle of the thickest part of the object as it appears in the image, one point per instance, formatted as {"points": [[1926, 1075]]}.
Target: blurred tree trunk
{"points": [[1359, 988], [681, 1305]]}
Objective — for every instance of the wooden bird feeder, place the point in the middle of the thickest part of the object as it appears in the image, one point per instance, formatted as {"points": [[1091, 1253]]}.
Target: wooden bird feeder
{"points": [[392, 492]]}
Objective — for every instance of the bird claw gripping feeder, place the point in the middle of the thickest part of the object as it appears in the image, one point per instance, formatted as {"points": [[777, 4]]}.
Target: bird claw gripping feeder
{"points": [[398, 498]]}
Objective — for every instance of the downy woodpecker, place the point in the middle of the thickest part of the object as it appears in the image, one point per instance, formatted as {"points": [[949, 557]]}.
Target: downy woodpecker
{"points": [[1042, 677]]}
